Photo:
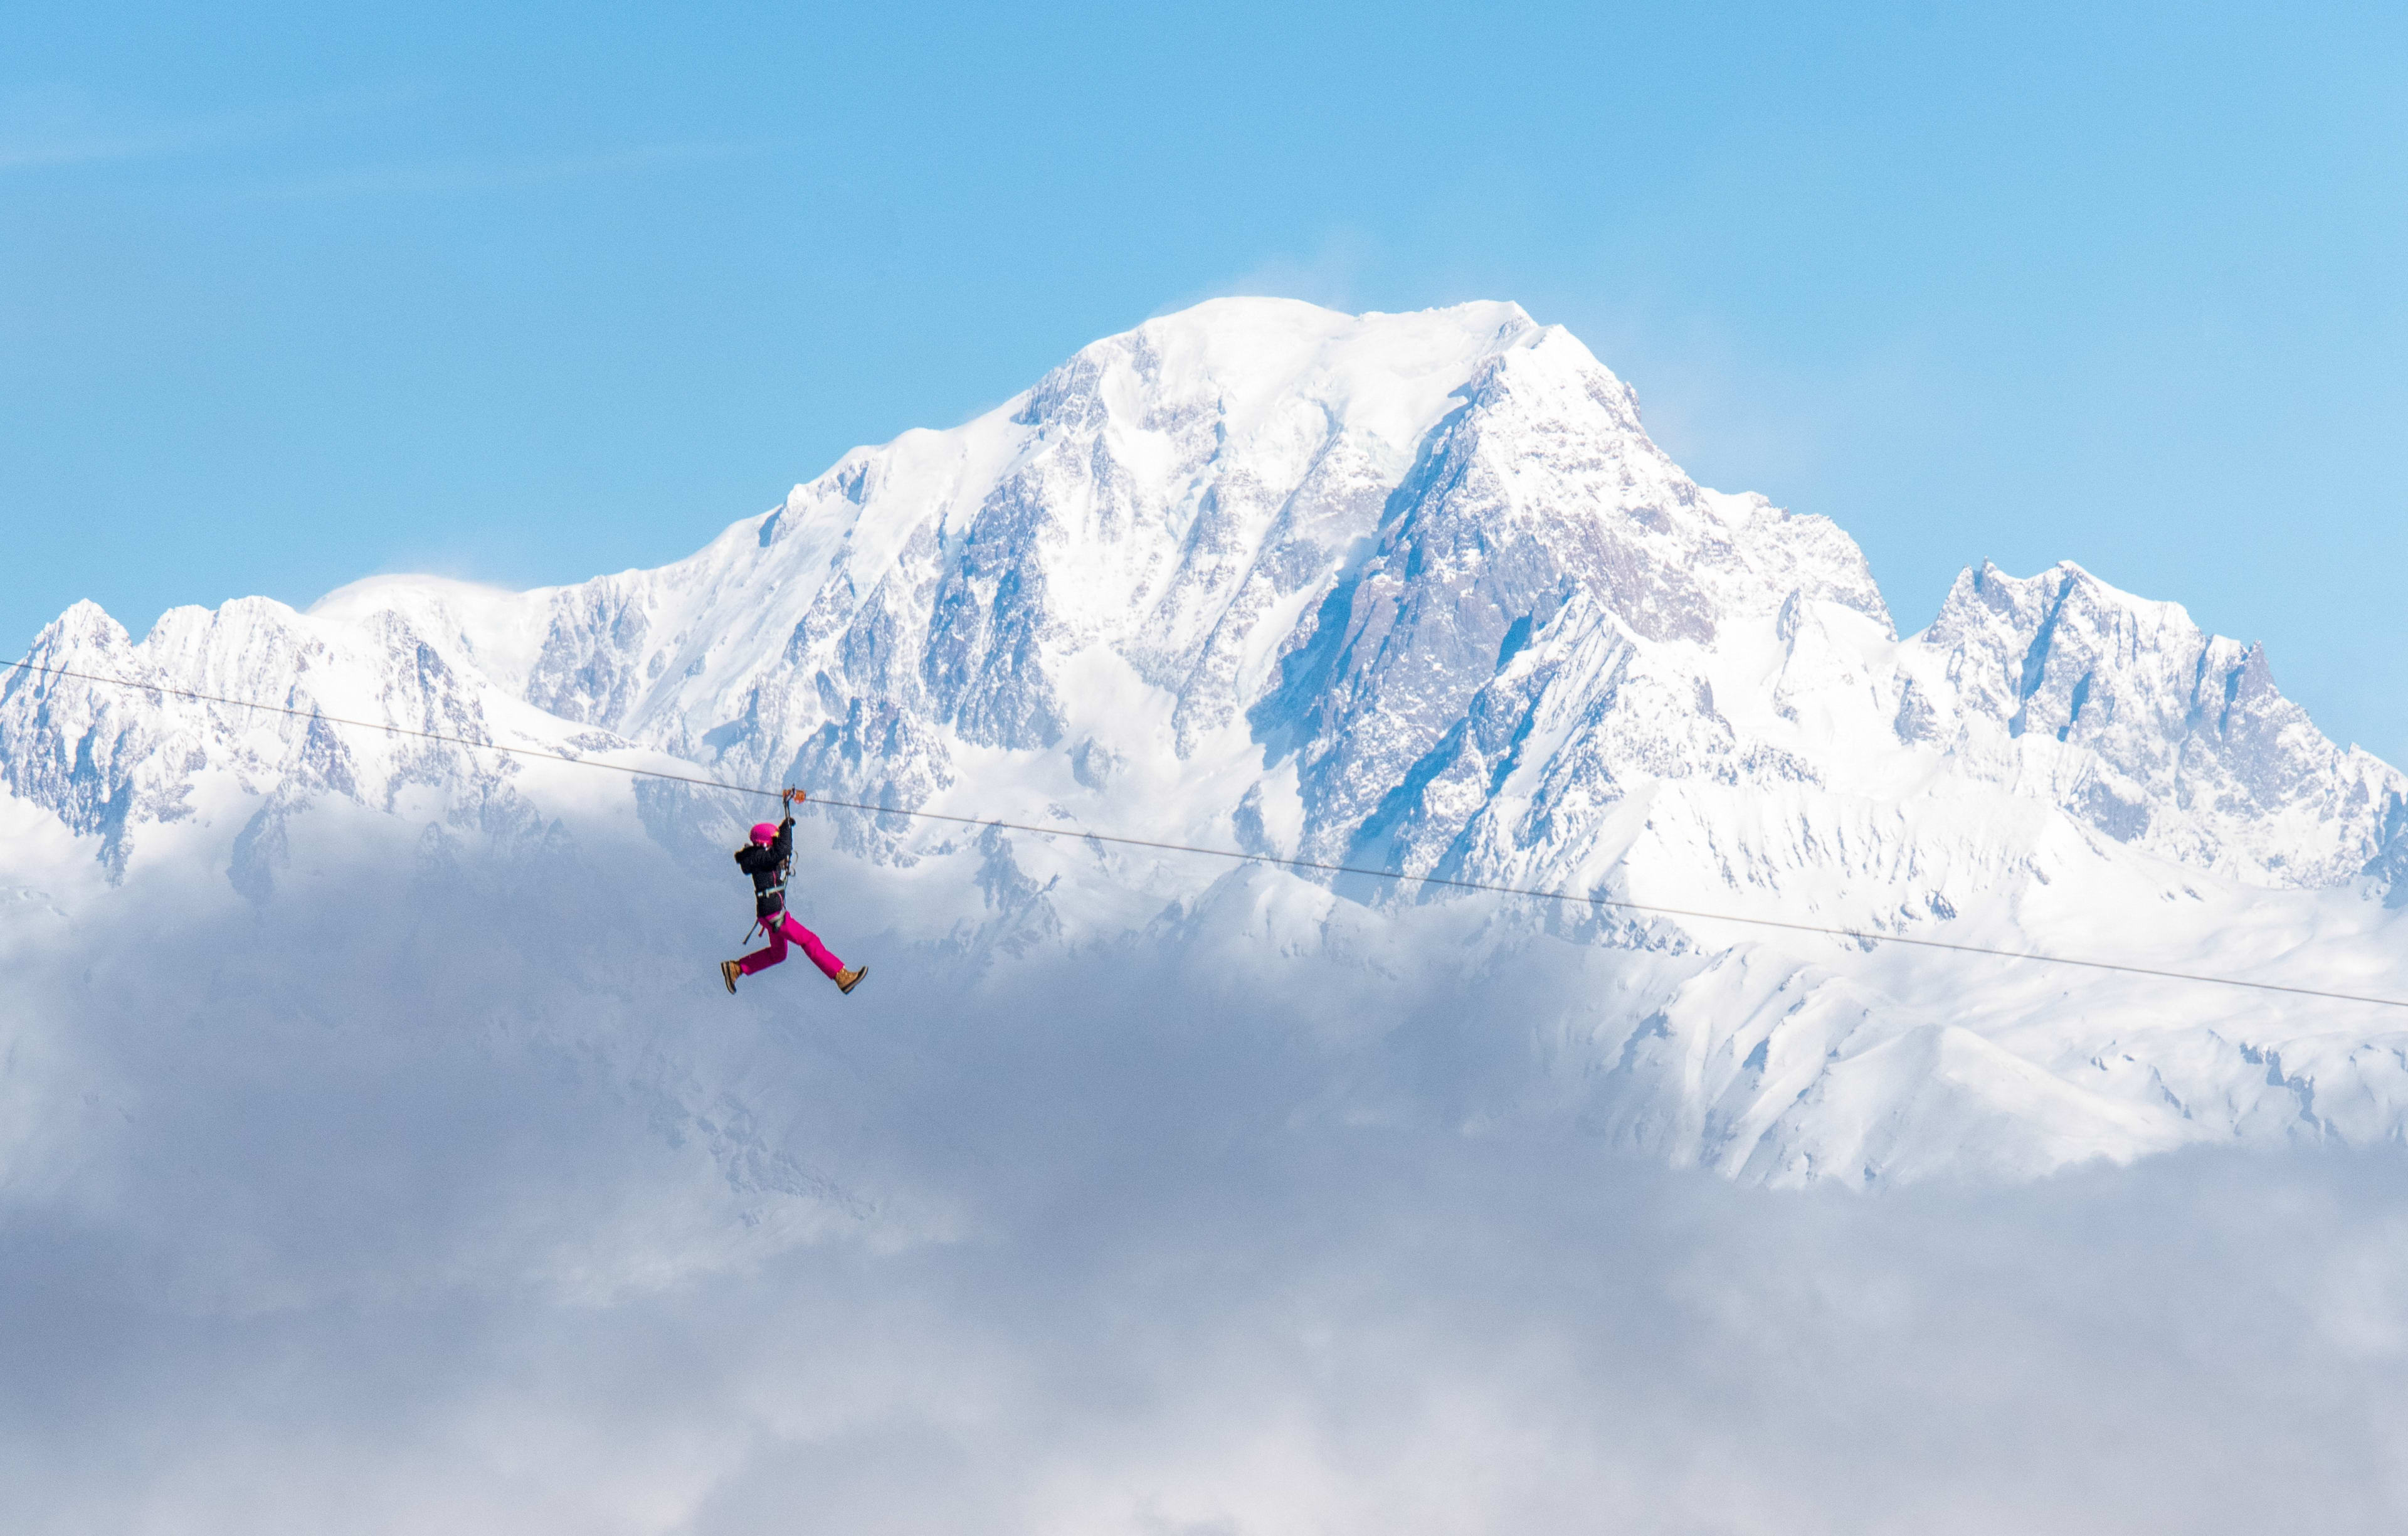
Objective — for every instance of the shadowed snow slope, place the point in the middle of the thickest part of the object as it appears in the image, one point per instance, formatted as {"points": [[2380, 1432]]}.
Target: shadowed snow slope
{"points": [[1414, 591]]}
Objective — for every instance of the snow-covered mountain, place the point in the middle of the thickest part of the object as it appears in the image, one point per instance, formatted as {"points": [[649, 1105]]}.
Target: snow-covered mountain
{"points": [[1414, 592]]}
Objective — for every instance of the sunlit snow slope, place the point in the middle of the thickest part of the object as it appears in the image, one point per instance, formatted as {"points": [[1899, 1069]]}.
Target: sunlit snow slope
{"points": [[1412, 591]]}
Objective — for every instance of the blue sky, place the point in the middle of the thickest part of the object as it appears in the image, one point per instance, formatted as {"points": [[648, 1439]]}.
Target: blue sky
{"points": [[288, 296]]}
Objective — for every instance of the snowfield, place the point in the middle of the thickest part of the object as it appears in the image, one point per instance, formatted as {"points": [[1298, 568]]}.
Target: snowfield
{"points": [[1412, 591]]}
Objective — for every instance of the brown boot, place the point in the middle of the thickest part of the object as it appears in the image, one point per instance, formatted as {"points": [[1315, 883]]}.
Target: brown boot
{"points": [[728, 972], [847, 979]]}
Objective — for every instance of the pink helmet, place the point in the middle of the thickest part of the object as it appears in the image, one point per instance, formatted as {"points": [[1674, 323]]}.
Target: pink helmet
{"points": [[763, 834]]}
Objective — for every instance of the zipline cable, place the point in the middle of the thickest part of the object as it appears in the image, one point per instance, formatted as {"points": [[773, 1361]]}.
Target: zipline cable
{"points": [[1535, 893]]}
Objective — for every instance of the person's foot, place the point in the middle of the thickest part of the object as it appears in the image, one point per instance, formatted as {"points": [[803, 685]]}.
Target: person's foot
{"points": [[847, 979], [728, 972]]}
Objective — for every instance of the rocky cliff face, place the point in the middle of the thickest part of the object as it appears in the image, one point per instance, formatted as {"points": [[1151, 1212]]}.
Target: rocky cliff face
{"points": [[1414, 591], [2177, 740]]}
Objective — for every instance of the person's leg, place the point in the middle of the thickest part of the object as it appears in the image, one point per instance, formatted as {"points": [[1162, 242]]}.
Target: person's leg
{"points": [[761, 959], [829, 965]]}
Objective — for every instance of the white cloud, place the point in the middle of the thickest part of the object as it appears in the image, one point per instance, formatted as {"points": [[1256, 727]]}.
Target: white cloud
{"points": [[467, 1200]]}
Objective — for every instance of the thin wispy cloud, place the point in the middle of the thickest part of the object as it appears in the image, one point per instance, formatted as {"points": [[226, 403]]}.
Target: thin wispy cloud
{"points": [[70, 127], [496, 174], [32, 151]]}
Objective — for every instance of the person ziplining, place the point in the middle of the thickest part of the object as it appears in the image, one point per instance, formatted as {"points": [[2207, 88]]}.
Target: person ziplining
{"points": [[767, 858]]}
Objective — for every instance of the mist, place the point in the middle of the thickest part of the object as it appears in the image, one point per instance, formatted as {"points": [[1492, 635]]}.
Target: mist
{"points": [[444, 1195]]}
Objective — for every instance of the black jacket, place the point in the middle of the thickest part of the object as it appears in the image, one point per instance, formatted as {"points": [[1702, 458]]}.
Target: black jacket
{"points": [[768, 867]]}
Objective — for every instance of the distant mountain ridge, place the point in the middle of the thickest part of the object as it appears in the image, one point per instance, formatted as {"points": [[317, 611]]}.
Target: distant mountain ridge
{"points": [[1415, 591]]}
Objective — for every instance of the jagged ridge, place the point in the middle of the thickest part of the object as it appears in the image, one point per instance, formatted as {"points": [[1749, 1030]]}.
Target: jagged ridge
{"points": [[1416, 590]]}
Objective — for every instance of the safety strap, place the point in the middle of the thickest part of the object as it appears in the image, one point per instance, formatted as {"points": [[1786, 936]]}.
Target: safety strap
{"points": [[762, 893]]}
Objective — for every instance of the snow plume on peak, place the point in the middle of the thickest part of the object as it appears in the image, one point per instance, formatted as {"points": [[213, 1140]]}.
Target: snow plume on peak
{"points": [[1241, 362], [1414, 592]]}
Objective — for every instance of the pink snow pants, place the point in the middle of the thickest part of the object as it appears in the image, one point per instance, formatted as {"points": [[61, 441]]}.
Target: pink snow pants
{"points": [[780, 929]]}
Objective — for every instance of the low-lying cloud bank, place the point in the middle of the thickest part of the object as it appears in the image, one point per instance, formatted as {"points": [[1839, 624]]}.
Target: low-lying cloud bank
{"points": [[423, 1207]]}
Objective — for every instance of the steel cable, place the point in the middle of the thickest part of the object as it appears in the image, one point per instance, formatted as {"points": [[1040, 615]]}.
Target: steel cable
{"points": [[1534, 893]]}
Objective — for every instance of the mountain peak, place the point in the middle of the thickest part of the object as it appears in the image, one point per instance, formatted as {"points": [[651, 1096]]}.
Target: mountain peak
{"points": [[83, 622], [1411, 591]]}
